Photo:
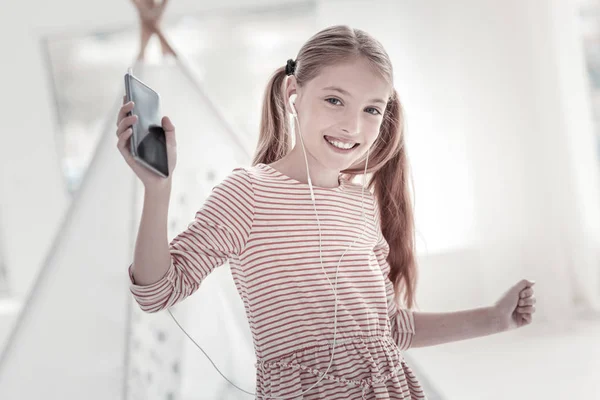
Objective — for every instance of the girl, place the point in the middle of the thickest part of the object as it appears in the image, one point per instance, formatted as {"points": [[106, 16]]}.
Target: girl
{"points": [[326, 269]]}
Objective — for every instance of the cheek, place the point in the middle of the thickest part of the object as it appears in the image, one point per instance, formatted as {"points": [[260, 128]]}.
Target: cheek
{"points": [[372, 134], [317, 125]]}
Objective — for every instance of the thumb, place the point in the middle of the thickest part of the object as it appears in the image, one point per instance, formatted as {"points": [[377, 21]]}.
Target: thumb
{"points": [[169, 129], [167, 124]]}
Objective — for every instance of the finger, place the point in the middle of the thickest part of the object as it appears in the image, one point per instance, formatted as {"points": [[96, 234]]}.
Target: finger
{"points": [[124, 110], [124, 138], [123, 145], [527, 318], [526, 310], [526, 293], [126, 123], [528, 301]]}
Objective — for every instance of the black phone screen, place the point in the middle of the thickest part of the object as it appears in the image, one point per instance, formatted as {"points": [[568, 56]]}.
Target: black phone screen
{"points": [[148, 142]]}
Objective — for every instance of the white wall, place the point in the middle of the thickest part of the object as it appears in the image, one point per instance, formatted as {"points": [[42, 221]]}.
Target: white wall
{"points": [[71, 336], [498, 116]]}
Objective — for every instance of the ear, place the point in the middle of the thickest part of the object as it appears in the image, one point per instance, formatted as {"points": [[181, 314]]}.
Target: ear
{"points": [[290, 91]]}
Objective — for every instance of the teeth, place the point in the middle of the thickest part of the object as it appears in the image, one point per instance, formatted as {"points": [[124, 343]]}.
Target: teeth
{"points": [[341, 145]]}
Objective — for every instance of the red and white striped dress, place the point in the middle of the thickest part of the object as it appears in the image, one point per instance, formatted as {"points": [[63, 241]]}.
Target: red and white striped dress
{"points": [[264, 223]]}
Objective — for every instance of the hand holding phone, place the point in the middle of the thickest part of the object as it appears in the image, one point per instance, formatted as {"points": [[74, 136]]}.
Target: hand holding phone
{"points": [[146, 141]]}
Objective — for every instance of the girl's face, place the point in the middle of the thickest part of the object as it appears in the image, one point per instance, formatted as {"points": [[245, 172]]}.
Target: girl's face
{"points": [[340, 113]]}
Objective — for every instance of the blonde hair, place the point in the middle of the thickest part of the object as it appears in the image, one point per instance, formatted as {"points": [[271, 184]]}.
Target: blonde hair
{"points": [[388, 160]]}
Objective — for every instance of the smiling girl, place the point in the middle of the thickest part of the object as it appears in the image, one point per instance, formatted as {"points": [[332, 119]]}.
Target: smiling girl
{"points": [[325, 267]]}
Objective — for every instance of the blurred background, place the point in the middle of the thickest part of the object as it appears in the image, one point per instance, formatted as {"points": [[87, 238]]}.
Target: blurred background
{"points": [[502, 101]]}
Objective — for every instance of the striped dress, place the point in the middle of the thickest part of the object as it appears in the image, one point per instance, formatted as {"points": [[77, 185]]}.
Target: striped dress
{"points": [[264, 223]]}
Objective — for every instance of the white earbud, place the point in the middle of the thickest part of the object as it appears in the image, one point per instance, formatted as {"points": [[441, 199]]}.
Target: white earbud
{"points": [[293, 107]]}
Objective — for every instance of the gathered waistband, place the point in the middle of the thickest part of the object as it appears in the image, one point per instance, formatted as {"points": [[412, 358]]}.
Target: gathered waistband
{"points": [[322, 343], [352, 339], [365, 383]]}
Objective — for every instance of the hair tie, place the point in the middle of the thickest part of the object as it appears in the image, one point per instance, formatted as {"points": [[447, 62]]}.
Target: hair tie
{"points": [[290, 67]]}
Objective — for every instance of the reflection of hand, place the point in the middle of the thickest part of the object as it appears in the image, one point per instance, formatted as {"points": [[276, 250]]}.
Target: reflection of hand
{"points": [[516, 307], [150, 16], [150, 13]]}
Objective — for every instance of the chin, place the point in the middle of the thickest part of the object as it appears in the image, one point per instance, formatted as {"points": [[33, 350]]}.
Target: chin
{"points": [[339, 165]]}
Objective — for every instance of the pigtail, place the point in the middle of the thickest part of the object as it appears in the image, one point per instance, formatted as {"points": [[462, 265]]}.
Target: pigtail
{"points": [[274, 140], [392, 190]]}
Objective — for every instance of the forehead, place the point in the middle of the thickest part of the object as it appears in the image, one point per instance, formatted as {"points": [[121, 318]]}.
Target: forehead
{"points": [[356, 77]]}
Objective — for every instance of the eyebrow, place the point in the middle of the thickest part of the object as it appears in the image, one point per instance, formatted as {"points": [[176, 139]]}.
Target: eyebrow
{"points": [[345, 92]]}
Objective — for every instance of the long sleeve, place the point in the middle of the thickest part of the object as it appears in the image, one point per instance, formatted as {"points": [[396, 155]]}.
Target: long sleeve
{"points": [[401, 319], [218, 232]]}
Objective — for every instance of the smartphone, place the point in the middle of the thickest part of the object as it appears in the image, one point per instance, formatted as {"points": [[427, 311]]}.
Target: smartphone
{"points": [[147, 143]]}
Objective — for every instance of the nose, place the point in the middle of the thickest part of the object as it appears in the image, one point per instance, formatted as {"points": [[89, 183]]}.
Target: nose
{"points": [[351, 123]]}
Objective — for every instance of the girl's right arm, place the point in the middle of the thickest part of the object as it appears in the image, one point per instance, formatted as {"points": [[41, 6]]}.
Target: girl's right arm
{"points": [[163, 273], [152, 258]]}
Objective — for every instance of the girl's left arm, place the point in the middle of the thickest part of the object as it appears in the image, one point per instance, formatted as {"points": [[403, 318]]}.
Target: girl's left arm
{"points": [[514, 309], [438, 328]]}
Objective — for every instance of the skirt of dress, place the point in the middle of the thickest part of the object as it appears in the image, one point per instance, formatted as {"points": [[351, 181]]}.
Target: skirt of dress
{"points": [[364, 367]]}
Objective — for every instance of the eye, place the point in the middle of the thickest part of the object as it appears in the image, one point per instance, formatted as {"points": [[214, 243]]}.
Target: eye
{"points": [[374, 109], [332, 98]]}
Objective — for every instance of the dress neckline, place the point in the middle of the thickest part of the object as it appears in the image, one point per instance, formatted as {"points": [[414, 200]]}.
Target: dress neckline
{"points": [[279, 174]]}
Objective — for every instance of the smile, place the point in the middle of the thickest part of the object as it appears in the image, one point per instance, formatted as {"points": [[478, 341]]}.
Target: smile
{"points": [[340, 145]]}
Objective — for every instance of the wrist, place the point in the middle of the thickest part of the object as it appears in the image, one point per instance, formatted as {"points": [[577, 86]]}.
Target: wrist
{"points": [[160, 190], [497, 321]]}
